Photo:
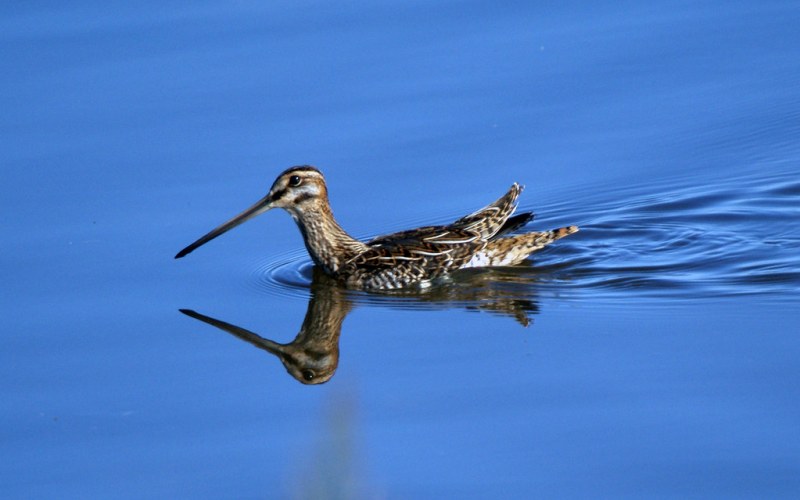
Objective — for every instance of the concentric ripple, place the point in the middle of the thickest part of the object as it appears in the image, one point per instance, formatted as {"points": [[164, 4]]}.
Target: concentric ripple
{"points": [[289, 274]]}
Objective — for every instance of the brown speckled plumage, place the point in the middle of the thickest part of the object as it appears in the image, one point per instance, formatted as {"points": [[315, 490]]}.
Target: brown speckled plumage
{"points": [[398, 260]]}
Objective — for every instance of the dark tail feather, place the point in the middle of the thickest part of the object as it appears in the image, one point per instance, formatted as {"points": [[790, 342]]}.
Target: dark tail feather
{"points": [[515, 222]]}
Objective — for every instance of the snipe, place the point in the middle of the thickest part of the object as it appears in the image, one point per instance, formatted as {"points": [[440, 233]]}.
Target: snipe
{"points": [[407, 258]]}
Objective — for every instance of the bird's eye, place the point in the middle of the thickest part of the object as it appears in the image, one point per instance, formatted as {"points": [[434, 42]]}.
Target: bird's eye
{"points": [[294, 180], [308, 374]]}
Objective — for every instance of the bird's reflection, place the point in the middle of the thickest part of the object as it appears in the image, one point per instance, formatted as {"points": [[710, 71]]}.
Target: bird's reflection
{"points": [[313, 356]]}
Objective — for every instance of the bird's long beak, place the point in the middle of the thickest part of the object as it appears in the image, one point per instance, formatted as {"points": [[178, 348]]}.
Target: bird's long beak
{"points": [[260, 207]]}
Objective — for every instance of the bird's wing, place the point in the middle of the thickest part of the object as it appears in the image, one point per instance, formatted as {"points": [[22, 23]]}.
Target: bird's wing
{"points": [[489, 220], [424, 246]]}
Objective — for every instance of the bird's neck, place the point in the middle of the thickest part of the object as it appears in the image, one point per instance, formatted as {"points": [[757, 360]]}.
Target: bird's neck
{"points": [[328, 244]]}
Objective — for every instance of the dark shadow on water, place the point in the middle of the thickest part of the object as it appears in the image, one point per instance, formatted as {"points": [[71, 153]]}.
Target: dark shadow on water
{"points": [[313, 356]]}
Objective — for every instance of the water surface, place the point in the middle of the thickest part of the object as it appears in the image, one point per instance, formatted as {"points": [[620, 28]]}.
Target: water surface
{"points": [[654, 353]]}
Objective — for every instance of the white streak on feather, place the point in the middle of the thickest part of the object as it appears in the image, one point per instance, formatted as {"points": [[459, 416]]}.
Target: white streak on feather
{"points": [[431, 254], [451, 241], [397, 257]]}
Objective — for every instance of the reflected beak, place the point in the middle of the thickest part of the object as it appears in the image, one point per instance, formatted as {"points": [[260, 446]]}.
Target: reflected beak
{"points": [[260, 207], [246, 335]]}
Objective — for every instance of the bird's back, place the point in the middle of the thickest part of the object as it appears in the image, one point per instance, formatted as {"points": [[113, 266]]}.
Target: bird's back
{"points": [[399, 259]]}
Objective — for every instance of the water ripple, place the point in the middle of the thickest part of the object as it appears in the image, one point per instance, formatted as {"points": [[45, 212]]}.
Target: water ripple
{"points": [[721, 238], [287, 275]]}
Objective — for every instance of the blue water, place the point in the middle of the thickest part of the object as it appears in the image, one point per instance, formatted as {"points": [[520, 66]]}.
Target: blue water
{"points": [[654, 353]]}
